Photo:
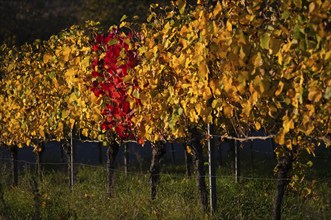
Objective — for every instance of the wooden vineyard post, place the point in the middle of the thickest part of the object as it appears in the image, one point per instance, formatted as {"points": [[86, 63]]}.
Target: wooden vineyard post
{"points": [[14, 165], [212, 172], [236, 160], [126, 159]]}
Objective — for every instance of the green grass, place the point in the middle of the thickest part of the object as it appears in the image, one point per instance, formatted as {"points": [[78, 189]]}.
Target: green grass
{"points": [[177, 195]]}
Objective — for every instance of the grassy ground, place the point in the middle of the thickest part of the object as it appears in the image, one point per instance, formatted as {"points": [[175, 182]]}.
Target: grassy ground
{"points": [[177, 195]]}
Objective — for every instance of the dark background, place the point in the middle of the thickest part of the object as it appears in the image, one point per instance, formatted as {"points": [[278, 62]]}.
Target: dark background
{"points": [[26, 20]]}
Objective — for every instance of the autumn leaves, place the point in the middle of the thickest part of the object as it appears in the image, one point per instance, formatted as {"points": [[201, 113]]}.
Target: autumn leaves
{"points": [[238, 65]]}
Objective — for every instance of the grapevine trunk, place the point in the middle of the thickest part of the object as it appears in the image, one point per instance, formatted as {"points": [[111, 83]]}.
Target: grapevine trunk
{"points": [[158, 150], [14, 151], [111, 157], [67, 149], [38, 155], [283, 167], [199, 167], [188, 162]]}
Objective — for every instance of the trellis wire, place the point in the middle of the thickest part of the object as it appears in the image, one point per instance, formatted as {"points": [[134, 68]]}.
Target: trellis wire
{"points": [[139, 173]]}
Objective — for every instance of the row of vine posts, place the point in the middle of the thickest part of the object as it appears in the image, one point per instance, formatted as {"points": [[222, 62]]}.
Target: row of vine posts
{"points": [[189, 74]]}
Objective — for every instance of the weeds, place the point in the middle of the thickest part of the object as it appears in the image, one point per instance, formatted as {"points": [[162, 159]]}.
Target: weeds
{"points": [[176, 199]]}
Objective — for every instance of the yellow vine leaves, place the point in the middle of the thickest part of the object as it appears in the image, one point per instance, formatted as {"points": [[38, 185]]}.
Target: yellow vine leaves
{"points": [[45, 89], [238, 65]]}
